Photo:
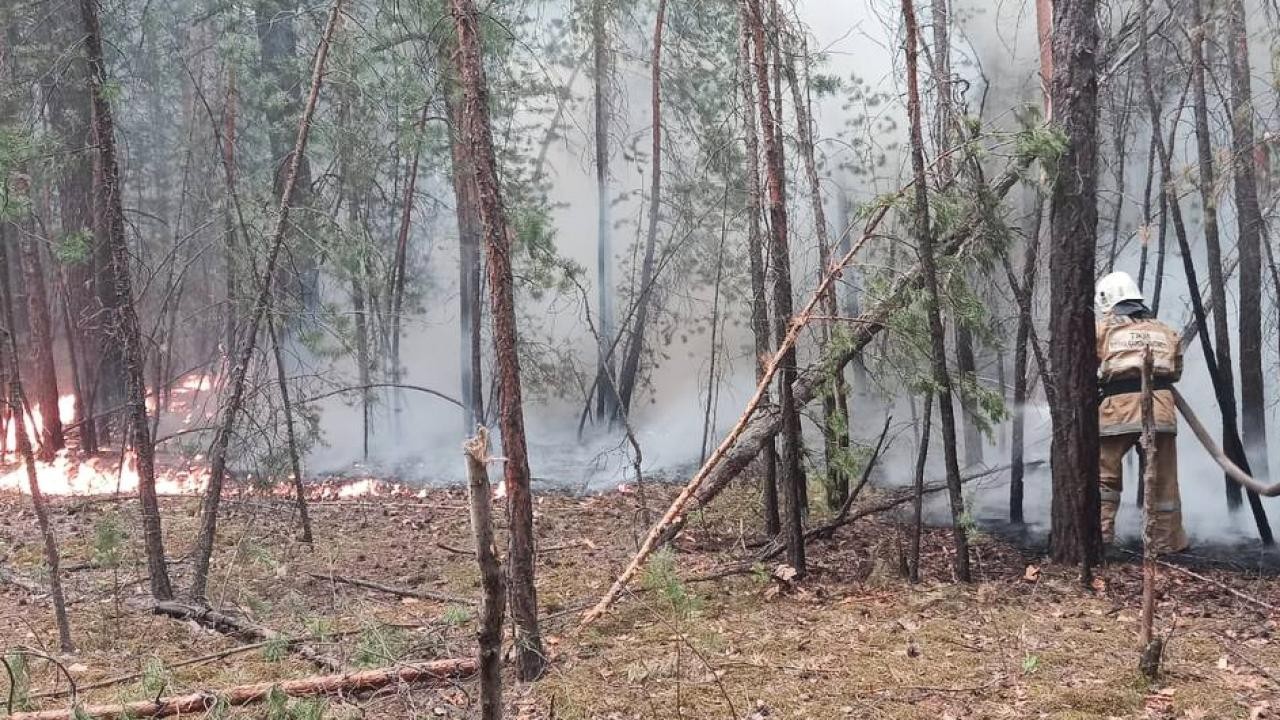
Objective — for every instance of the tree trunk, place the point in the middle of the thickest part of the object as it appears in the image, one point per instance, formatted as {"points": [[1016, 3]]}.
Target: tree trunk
{"points": [[230, 290], [835, 407], [40, 356], [400, 266], [203, 550], [1076, 534], [1226, 398], [110, 222], [629, 377], [1030, 261], [1209, 200], [790, 475], [470, 236], [494, 602], [937, 334], [278, 52], [606, 393], [917, 502], [755, 252], [1253, 391], [15, 402], [295, 456], [530, 661]]}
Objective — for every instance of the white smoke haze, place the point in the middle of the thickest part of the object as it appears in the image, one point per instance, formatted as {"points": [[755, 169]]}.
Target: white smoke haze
{"points": [[996, 55]]}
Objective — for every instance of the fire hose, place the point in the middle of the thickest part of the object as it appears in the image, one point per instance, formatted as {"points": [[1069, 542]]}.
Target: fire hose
{"points": [[1233, 471]]}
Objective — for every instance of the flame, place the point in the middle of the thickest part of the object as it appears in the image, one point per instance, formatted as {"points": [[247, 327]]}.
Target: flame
{"points": [[65, 475]]}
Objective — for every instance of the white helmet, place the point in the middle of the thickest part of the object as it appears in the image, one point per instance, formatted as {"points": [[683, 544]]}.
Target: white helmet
{"points": [[1115, 288]]}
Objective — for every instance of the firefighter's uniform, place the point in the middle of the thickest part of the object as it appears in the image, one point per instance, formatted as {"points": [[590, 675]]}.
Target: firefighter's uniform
{"points": [[1122, 339]]}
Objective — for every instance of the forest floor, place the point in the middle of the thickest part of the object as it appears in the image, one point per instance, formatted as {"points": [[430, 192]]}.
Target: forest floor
{"points": [[852, 640]]}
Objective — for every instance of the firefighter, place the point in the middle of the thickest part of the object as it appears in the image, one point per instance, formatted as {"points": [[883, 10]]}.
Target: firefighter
{"points": [[1125, 328]]}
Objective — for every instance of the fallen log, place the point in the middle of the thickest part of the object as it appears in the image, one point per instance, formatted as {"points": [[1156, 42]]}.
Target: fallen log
{"points": [[758, 423], [399, 591], [242, 628], [438, 671]]}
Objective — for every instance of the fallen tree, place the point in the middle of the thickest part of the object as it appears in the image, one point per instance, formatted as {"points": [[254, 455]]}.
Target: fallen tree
{"points": [[198, 703], [758, 423], [241, 628], [397, 591]]}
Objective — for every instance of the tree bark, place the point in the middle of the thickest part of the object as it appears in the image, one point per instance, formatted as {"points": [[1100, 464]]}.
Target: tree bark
{"points": [[530, 661], [203, 550], [493, 604], [1253, 391], [790, 475], [937, 334], [109, 218], [917, 502], [629, 377], [1209, 200], [1076, 534], [755, 253]]}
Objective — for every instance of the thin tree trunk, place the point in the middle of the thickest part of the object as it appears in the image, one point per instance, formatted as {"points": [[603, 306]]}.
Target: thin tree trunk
{"points": [[1076, 534], [295, 456], [835, 408], [15, 402], [530, 661], [924, 240], [1030, 261], [755, 252], [917, 502], [230, 249], [790, 475], [1150, 663], [606, 394], [1226, 399], [470, 236], [1209, 200], [110, 221], [203, 550], [40, 355], [494, 600], [399, 268], [629, 377], [1253, 391]]}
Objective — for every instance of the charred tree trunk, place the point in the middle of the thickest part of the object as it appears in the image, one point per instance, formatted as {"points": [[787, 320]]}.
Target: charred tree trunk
{"points": [[124, 321], [790, 475], [606, 393], [470, 236], [629, 377], [203, 550], [1212, 243], [937, 334], [755, 252], [531, 662], [1253, 391], [1076, 534], [1030, 261], [917, 501]]}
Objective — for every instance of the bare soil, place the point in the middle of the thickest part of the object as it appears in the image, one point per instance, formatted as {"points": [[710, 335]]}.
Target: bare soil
{"points": [[708, 635]]}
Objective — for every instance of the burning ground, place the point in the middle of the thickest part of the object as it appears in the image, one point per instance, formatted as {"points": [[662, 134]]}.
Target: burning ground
{"points": [[708, 634]]}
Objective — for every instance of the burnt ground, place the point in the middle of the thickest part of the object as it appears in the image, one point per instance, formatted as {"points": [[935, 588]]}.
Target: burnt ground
{"points": [[852, 640]]}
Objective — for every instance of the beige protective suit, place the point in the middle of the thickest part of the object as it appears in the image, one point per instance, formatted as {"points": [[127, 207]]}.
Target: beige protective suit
{"points": [[1121, 342]]}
